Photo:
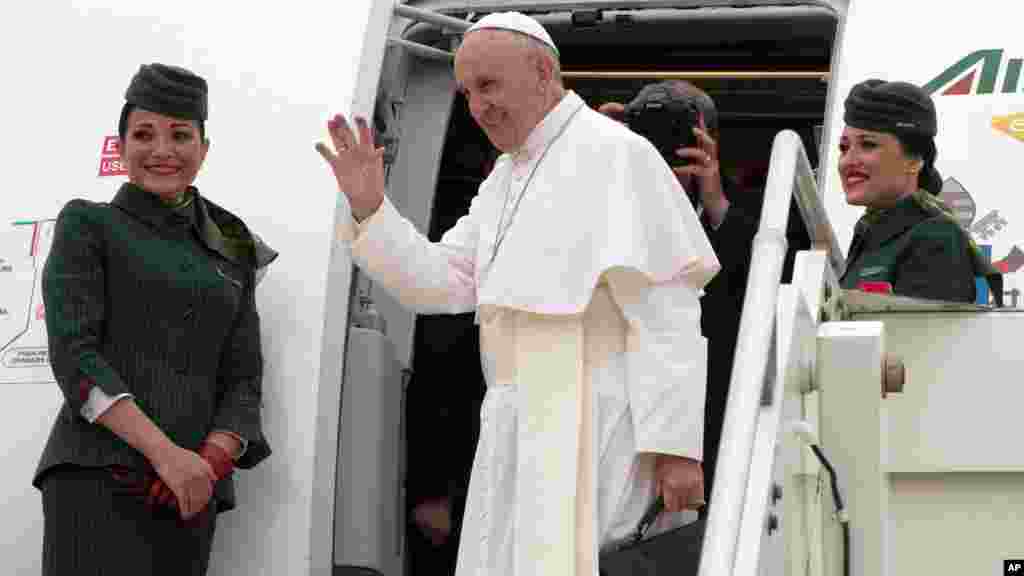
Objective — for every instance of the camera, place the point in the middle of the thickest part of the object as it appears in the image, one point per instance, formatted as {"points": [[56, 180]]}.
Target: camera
{"points": [[665, 120]]}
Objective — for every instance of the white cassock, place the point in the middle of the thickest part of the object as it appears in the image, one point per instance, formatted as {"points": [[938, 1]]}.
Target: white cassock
{"points": [[590, 335]]}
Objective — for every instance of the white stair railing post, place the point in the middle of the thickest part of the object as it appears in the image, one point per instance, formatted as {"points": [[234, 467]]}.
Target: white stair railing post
{"points": [[789, 174]]}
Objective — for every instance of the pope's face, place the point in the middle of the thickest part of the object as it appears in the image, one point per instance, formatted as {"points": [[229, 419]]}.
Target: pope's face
{"points": [[502, 81], [163, 153]]}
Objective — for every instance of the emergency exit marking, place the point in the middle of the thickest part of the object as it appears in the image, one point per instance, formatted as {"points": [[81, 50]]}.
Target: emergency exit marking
{"points": [[1014, 567], [111, 146], [110, 158]]}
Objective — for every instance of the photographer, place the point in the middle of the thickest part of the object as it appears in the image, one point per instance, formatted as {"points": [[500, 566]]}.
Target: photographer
{"points": [[682, 122]]}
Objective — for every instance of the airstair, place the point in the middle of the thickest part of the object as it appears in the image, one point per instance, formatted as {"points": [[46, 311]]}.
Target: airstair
{"points": [[864, 434]]}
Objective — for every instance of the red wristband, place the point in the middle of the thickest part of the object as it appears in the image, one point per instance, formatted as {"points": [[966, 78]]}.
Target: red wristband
{"points": [[85, 385]]}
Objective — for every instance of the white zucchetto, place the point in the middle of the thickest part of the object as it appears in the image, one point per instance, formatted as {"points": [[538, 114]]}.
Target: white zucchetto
{"points": [[516, 22]]}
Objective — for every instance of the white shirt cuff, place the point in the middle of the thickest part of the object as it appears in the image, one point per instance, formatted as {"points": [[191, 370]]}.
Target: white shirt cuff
{"points": [[98, 403], [349, 229]]}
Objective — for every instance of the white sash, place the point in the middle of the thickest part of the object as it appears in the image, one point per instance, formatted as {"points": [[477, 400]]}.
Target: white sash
{"points": [[548, 359]]}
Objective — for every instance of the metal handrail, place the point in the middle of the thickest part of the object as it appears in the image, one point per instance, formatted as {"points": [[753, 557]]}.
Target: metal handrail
{"points": [[789, 175], [430, 17], [422, 50]]}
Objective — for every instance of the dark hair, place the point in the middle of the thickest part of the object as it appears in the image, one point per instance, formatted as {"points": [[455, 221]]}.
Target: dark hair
{"points": [[122, 123], [705, 105], [923, 147]]}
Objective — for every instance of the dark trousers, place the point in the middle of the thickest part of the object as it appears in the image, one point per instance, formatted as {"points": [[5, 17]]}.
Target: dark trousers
{"points": [[426, 559], [93, 526]]}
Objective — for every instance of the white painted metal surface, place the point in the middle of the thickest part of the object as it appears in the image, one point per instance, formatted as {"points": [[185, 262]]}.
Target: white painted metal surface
{"points": [[955, 462], [790, 174], [762, 545], [275, 72], [368, 528], [961, 408], [853, 437], [804, 492]]}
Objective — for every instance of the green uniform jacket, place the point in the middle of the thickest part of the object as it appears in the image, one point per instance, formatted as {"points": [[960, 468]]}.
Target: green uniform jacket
{"points": [[919, 251], [160, 304]]}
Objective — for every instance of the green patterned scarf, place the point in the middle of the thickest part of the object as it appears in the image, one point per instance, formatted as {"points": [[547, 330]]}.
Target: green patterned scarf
{"points": [[181, 201]]}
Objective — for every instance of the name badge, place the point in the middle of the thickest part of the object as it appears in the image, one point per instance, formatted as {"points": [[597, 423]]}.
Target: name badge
{"points": [[872, 271]]}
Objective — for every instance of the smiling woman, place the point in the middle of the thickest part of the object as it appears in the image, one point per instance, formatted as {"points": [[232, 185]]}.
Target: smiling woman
{"points": [[162, 130], [158, 409], [163, 153], [908, 242]]}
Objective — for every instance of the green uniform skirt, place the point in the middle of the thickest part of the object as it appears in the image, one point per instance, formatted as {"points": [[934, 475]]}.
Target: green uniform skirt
{"points": [[93, 526]]}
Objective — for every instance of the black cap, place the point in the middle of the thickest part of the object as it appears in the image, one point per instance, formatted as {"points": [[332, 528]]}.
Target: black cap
{"points": [[892, 107], [168, 90]]}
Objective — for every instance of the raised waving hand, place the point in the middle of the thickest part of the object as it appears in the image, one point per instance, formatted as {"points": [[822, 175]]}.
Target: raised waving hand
{"points": [[358, 165]]}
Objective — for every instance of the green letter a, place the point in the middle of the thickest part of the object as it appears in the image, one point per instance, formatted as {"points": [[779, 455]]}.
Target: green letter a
{"points": [[987, 82]]}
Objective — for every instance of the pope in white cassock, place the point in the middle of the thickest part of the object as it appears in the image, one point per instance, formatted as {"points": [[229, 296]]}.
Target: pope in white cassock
{"points": [[584, 261]]}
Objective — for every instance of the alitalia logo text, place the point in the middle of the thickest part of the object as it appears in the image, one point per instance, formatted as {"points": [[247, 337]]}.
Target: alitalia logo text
{"points": [[981, 72]]}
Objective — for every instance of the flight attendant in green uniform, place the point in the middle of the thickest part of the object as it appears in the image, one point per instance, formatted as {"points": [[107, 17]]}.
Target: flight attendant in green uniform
{"points": [[154, 340], [907, 242]]}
